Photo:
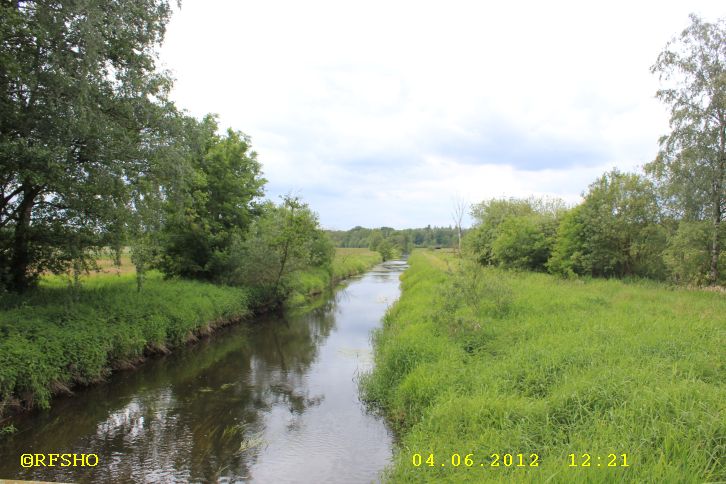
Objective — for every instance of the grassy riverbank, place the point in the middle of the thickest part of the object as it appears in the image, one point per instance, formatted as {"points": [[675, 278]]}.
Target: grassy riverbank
{"points": [[346, 263], [55, 336], [480, 361]]}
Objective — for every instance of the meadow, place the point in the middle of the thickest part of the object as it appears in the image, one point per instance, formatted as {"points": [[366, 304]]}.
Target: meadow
{"points": [[60, 335], [500, 376]]}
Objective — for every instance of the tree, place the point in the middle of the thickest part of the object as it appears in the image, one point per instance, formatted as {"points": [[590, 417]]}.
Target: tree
{"points": [[210, 213], [82, 110], [687, 255], [285, 238], [691, 163], [524, 242], [489, 216], [614, 232], [457, 214]]}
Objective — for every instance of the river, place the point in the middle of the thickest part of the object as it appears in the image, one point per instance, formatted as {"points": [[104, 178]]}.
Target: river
{"points": [[272, 401]]}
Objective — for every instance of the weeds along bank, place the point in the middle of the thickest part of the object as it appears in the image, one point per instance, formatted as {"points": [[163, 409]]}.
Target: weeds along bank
{"points": [[55, 337], [473, 362]]}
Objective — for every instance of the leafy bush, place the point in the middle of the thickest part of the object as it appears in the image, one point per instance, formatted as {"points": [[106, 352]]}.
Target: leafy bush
{"points": [[688, 255], [614, 232], [524, 242]]}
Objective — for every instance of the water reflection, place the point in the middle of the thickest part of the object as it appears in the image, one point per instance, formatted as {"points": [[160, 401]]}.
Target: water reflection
{"points": [[275, 401]]}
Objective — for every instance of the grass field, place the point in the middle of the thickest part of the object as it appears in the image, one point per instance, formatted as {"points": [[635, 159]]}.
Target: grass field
{"points": [[58, 335], [473, 362]]}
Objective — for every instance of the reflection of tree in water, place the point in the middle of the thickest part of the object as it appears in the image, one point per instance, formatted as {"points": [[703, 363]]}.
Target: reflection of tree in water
{"points": [[195, 415], [283, 352]]}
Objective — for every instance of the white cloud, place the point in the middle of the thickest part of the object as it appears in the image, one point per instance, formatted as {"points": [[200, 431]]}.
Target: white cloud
{"points": [[379, 113]]}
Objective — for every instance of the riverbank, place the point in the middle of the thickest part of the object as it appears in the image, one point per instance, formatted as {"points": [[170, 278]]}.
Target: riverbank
{"points": [[347, 263], [56, 337], [475, 364]]}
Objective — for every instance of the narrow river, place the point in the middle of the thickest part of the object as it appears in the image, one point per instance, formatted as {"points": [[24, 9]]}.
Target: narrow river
{"points": [[274, 401]]}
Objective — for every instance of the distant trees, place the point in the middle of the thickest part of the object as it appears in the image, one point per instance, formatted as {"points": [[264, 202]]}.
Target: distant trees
{"points": [[691, 164], [401, 241]]}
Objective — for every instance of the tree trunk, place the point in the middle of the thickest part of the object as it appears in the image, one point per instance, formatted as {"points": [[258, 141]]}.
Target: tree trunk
{"points": [[717, 192], [458, 229], [20, 258], [715, 252], [716, 236]]}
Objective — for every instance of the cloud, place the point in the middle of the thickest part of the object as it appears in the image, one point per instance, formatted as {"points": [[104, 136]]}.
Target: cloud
{"points": [[379, 113]]}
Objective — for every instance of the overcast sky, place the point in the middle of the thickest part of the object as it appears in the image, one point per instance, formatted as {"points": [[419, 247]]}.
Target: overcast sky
{"points": [[384, 113]]}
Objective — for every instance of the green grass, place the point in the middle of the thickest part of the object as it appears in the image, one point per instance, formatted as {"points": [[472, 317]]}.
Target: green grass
{"points": [[55, 337], [346, 263], [481, 361]]}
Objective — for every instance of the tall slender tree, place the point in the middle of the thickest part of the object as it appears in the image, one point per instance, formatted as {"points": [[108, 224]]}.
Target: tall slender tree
{"points": [[691, 163]]}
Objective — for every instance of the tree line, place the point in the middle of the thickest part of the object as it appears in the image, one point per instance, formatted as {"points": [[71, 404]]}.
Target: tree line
{"points": [[94, 155], [664, 223], [393, 243]]}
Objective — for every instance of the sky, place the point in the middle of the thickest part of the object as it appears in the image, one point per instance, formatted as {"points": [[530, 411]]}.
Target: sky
{"points": [[388, 113]]}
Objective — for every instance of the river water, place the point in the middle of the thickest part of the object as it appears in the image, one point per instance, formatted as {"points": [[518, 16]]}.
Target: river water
{"points": [[273, 401]]}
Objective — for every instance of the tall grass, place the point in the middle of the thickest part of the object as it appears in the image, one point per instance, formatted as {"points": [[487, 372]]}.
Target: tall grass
{"points": [[57, 336], [481, 361]]}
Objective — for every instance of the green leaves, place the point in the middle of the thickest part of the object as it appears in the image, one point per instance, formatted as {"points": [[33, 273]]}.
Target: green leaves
{"points": [[614, 232], [691, 163], [209, 211], [283, 240], [82, 115], [516, 233]]}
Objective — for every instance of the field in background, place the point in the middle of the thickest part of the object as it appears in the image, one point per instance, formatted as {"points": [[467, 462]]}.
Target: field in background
{"points": [[347, 262], [482, 361]]}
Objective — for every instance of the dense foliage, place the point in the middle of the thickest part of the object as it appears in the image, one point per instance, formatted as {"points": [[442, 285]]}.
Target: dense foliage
{"points": [[284, 239], [209, 215], [83, 115], [93, 155], [691, 164], [614, 232], [619, 230], [514, 232]]}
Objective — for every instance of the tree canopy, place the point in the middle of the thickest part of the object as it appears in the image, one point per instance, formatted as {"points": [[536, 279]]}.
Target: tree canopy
{"points": [[691, 163], [82, 111]]}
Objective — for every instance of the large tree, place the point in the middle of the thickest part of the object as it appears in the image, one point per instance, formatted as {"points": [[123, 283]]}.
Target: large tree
{"points": [[691, 163], [82, 111], [209, 215]]}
